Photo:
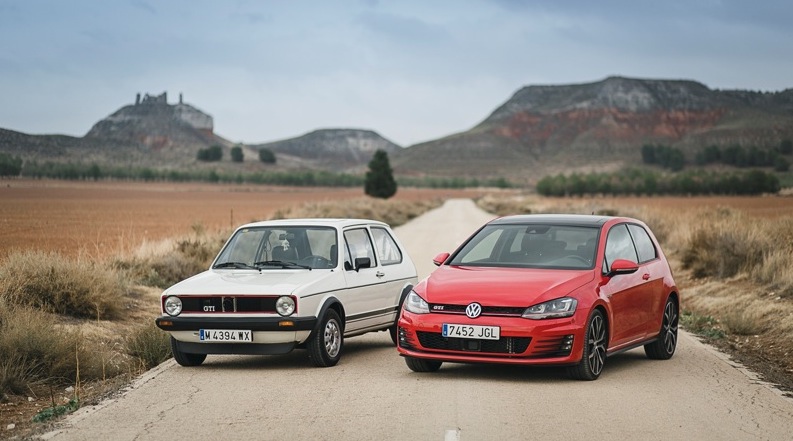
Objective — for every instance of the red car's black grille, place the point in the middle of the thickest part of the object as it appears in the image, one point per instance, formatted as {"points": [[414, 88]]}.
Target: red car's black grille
{"points": [[210, 304], [486, 310], [504, 345], [553, 347]]}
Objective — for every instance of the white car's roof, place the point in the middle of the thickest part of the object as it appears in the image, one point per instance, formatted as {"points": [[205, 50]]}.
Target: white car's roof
{"points": [[319, 222]]}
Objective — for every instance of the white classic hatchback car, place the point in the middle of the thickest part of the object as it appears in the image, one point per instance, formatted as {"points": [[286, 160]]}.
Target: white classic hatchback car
{"points": [[285, 284]]}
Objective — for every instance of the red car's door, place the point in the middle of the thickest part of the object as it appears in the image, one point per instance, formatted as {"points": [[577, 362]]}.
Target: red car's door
{"points": [[627, 293], [653, 270]]}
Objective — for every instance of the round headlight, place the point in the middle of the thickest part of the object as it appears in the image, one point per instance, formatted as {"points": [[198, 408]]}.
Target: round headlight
{"points": [[285, 305], [173, 305]]}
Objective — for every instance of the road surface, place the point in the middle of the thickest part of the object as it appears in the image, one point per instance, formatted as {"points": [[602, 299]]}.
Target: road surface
{"points": [[372, 395]]}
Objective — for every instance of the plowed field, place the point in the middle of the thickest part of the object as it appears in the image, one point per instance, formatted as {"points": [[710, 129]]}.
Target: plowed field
{"points": [[96, 219]]}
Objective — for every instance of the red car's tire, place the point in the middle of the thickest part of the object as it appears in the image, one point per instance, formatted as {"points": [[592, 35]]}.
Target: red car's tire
{"points": [[421, 365], [593, 358], [664, 347]]}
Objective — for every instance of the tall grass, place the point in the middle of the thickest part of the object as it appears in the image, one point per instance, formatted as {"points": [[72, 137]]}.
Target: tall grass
{"points": [[53, 283], [34, 350]]}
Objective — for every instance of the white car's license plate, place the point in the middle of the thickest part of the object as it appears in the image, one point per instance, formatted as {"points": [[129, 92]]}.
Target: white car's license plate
{"points": [[471, 331], [225, 335]]}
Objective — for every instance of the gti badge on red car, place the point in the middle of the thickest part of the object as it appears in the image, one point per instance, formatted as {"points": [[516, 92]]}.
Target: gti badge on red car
{"points": [[564, 290]]}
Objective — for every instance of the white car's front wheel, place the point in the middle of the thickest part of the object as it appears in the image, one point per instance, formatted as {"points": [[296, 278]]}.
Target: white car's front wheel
{"points": [[324, 346], [184, 358]]}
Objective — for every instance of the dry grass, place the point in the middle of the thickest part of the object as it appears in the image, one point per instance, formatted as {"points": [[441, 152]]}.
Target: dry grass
{"points": [[391, 211], [53, 283]]}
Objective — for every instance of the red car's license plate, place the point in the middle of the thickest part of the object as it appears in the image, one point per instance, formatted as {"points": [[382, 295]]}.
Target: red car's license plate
{"points": [[471, 331]]}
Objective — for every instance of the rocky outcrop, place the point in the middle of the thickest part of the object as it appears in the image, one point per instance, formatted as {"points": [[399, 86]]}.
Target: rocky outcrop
{"points": [[156, 124]]}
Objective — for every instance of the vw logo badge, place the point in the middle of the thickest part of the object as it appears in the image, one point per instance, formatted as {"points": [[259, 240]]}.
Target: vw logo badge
{"points": [[473, 310]]}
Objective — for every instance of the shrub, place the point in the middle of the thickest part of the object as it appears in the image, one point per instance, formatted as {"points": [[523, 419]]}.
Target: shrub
{"points": [[211, 154], [236, 154], [49, 281], [187, 258], [10, 165], [34, 350], [149, 344], [267, 156]]}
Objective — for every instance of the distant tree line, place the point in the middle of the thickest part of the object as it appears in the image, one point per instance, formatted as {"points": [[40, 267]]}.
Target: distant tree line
{"points": [[78, 171], [644, 182], [735, 155]]}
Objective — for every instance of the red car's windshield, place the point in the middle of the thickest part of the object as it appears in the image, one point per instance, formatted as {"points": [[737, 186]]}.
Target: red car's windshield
{"points": [[531, 246]]}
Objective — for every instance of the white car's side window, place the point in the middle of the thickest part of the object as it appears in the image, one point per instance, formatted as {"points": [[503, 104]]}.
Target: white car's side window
{"points": [[359, 244], [386, 247]]}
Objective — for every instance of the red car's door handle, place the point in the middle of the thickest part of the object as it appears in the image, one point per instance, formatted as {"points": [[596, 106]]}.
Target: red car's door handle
{"points": [[645, 276]]}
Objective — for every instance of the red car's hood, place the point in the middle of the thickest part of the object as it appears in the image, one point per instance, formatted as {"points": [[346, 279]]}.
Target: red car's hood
{"points": [[460, 285]]}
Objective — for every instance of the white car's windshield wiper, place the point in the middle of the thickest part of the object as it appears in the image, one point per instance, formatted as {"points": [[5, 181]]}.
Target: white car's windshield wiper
{"points": [[280, 263], [237, 265]]}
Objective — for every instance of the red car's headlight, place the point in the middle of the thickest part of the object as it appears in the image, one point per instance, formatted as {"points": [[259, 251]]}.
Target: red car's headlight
{"points": [[415, 304], [564, 307]]}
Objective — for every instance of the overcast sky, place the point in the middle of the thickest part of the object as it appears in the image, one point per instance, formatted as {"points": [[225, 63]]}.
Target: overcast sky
{"points": [[413, 71]]}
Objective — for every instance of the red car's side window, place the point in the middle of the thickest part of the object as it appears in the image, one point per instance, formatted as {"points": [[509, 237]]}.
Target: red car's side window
{"points": [[619, 245]]}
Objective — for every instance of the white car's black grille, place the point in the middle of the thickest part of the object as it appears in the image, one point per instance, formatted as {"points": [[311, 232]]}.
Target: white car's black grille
{"points": [[215, 304]]}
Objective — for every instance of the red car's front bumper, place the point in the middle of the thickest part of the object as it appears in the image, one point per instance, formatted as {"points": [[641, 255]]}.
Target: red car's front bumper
{"points": [[523, 341]]}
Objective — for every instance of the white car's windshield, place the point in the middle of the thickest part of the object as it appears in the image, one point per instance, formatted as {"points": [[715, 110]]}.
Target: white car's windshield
{"points": [[531, 246], [276, 247]]}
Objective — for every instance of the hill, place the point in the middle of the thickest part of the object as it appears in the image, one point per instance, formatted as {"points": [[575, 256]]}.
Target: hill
{"points": [[331, 149], [540, 130], [602, 125]]}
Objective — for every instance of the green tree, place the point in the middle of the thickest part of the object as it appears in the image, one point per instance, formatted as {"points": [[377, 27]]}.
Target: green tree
{"points": [[379, 180], [211, 154], [786, 147], [267, 156], [10, 165], [236, 154]]}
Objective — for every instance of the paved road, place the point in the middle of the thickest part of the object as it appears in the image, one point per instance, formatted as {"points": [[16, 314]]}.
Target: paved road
{"points": [[372, 395]]}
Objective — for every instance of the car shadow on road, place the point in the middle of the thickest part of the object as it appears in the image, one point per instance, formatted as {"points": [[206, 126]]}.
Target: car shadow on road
{"points": [[354, 349], [526, 373]]}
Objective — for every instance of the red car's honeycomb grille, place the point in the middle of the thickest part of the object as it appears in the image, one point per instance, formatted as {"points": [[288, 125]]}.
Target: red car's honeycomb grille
{"points": [[501, 311], [504, 345], [210, 304]]}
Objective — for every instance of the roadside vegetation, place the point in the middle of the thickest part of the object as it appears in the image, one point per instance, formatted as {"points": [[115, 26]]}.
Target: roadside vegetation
{"points": [[13, 166], [73, 330], [735, 273]]}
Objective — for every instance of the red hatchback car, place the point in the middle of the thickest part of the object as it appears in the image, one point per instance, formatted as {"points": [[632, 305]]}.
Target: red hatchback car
{"points": [[564, 290]]}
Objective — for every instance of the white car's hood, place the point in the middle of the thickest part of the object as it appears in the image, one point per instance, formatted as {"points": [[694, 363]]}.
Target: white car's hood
{"points": [[268, 281]]}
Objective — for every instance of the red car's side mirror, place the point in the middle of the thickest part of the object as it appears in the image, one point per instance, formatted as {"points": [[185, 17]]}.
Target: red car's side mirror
{"points": [[622, 266], [440, 258]]}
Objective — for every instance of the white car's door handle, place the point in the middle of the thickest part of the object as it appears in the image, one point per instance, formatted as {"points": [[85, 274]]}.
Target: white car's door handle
{"points": [[379, 274]]}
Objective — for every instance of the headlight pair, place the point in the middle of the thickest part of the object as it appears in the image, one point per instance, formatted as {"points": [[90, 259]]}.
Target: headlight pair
{"points": [[284, 306]]}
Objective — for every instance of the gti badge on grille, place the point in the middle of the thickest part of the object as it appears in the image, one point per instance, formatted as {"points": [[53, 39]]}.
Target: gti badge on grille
{"points": [[473, 310]]}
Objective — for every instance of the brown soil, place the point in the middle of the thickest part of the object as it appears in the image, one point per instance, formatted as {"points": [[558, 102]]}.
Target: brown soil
{"points": [[97, 219]]}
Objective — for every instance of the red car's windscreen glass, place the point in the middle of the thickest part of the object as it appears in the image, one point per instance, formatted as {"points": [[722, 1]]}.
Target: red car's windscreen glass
{"points": [[532, 246]]}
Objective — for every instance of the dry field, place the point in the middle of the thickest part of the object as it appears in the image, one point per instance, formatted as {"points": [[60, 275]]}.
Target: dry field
{"points": [[99, 219]]}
